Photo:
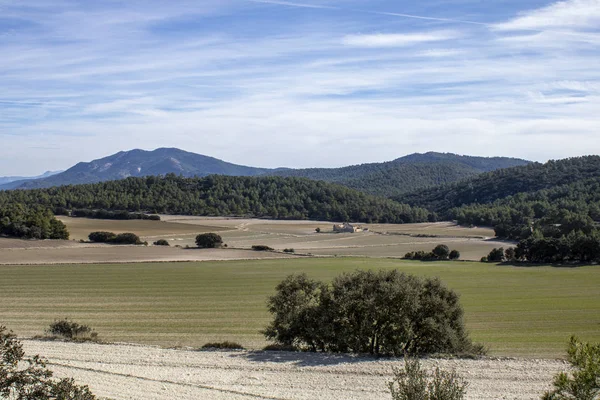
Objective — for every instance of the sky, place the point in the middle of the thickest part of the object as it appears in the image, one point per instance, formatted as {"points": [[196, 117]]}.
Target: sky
{"points": [[297, 83]]}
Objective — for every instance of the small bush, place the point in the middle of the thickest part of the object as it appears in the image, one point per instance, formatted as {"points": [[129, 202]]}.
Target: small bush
{"points": [[496, 255], [318, 230], [261, 247], [209, 241], [289, 250], [441, 252], [161, 242], [71, 330], [454, 255], [484, 259], [223, 346], [412, 383]]}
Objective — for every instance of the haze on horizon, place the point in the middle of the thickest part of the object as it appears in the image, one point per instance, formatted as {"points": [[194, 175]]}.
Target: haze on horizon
{"points": [[319, 83]]}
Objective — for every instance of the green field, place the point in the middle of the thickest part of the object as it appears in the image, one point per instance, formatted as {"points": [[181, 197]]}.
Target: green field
{"points": [[516, 311]]}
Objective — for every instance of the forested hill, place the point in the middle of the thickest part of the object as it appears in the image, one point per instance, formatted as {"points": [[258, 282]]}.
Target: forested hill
{"points": [[407, 173], [141, 163], [491, 186], [272, 197]]}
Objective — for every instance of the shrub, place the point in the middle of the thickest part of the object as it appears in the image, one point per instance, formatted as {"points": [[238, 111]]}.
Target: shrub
{"points": [[584, 381], [383, 312], [410, 255], [484, 259], [101, 237], [161, 242], [24, 377], [412, 383], [318, 230], [441, 252], [224, 345], [510, 254], [261, 247], [496, 255], [71, 330], [289, 250], [454, 255], [209, 241]]}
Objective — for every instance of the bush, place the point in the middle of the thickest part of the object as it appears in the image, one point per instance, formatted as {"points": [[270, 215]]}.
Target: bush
{"points": [[584, 381], [383, 312], [261, 247], [161, 242], [454, 255], [318, 230], [496, 255], [412, 383], [209, 241], [101, 237], [289, 250], [510, 254], [224, 346], [24, 377], [484, 259], [71, 330], [441, 252], [109, 237]]}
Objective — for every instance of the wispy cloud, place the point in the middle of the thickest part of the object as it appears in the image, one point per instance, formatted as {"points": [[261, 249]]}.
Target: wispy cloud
{"points": [[569, 14], [293, 84], [397, 39]]}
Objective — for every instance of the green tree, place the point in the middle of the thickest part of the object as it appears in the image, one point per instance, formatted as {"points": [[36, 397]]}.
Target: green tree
{"points": [[441, 252], [454, 255], [209, 241]]}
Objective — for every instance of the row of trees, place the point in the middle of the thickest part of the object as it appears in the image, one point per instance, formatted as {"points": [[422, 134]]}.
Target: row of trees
{"points": [[30, 222], [440, 252], [113, 238], [104, 214]]}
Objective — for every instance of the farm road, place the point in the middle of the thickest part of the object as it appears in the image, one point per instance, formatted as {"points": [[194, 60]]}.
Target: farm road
{"points": [[143, 372]]}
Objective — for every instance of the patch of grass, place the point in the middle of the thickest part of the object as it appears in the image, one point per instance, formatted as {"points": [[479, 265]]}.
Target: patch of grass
{"points": [[515, 311]]}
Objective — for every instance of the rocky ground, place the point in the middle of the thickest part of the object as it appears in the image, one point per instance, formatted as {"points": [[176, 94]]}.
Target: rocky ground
{"points": [[143, 372]]}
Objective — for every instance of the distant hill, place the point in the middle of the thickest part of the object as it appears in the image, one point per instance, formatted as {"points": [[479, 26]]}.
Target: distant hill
{"points": [[139, 163], [517, 183], [18, 180], [381, 179], [406, 173]]}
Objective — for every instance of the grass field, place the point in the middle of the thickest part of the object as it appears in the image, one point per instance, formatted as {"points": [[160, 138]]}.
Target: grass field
{"points": [[516, 311]]}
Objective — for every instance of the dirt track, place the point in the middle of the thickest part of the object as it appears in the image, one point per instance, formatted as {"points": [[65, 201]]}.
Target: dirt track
{"points": [[141, 372]]}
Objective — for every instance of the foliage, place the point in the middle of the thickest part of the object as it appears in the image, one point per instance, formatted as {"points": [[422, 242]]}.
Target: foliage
{"points": [[110, 237], [383, 312], [318, 230], [269, 197], [261, 247], [161, 242], [496, 255], [209, 241], [412, 383], [289, 250], [584, 382], [24, 377], [30, 222], [227, 345], [71, 330], [103, 214], [440, 252]]}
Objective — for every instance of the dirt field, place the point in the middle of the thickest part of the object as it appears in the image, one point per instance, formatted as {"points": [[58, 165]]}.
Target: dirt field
{"points": [[141, 372], [382, 240]]}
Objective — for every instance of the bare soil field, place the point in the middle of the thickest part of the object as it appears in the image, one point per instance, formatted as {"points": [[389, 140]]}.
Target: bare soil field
{"points": [[143, 372], [381, 240]]}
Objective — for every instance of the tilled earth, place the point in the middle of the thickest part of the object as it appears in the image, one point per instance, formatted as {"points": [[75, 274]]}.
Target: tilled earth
{"points": [[119, 371]]}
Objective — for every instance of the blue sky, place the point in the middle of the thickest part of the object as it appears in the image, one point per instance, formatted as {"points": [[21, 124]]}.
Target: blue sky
{"points": [[298, 83]]}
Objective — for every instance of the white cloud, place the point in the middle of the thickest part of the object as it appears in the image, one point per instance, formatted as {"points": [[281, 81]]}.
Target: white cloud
{"points": [[564, 14], [397, 39]]}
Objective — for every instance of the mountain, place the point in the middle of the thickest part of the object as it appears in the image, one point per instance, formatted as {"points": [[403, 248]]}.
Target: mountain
{"points": [[381, 179], [138, 163], [18, 180], [406, 173]]}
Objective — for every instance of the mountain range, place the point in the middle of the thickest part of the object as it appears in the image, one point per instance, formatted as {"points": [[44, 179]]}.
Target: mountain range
{"points": [[385, 179], [5, 180]]}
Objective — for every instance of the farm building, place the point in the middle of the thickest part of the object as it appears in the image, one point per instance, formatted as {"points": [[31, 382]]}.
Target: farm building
{"points": [[346, 227]]}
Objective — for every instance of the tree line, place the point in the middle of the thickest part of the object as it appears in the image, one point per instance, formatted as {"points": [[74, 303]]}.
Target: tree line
{"points": [[31, 222], [264, 197]]}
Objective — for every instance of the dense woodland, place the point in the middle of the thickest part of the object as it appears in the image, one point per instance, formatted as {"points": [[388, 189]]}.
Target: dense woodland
{"points": [[269, 197], [30, 221]]}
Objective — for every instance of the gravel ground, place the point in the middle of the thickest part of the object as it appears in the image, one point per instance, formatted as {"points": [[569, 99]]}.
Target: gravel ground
{"points": [[143, 372]]}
